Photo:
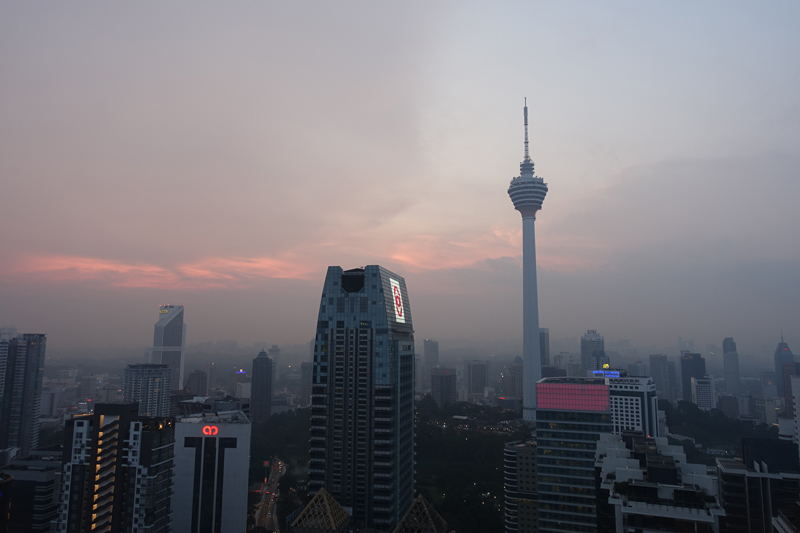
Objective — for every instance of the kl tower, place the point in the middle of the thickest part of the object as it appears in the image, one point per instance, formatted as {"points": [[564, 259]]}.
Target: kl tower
{"points": [[527, 191]]}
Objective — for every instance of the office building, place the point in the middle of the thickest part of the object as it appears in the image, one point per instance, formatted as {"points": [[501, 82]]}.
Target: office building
{"points": [[169, 342], [197, 384], [593, 351], [638, 368], [730, 359], [212, 461], [703, 395], [431, 358], [305, 383], [35, 498], [544, 346], [634, 404], [21, 373], [519, 473], [149, 386], [572, 413], [769, 388], [527, 192], [477, 376], [692, 366], [117, 472], [261, 392], [362, 413], [444, 388], [783, 355], [512, 379], [645, 484], [659, 370], [756, 487]]}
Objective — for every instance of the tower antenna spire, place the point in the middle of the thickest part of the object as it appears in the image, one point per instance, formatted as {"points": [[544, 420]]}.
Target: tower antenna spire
{"points": [[527, 155]]}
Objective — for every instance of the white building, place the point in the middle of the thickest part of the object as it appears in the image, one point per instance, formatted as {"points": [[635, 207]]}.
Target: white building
{"points": [[149, 385], [634, 405], [703, 393], [212, 460]]}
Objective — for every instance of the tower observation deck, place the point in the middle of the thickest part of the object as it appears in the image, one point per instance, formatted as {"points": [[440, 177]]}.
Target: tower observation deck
{"points": [[527, 192]]}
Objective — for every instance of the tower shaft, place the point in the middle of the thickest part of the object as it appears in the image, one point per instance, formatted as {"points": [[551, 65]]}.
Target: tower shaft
{"points": [[532, 368]]}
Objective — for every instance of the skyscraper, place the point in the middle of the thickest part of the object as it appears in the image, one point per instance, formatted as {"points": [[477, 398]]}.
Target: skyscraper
{"points": [[443, 386], [212, 460], [730, 360], [572, 413], [692, 366], [149, 386], [521, 502], [362, 413], [431, 361], [261, 391], [527, 191], [703, 395], [634, 404], [783, 355], [21, 373], [513, 379], [477, 376], [593, 351], [544, 346], [117, 472], [659, 369], [197, 383], [169, 342], [305, 383]]}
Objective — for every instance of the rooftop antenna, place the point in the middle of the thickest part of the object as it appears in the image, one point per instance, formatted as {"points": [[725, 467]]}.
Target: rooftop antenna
{"points": [[527, 155]]}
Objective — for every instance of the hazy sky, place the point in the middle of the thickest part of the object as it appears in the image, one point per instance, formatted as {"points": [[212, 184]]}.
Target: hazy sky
{"points": [[223, 154]]}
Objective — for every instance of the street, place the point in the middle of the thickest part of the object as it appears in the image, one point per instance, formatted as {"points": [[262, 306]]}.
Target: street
{"points": [[265, 516]]}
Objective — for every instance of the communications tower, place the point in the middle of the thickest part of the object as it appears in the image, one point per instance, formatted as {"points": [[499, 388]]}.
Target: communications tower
{"points": [[527, 191]]}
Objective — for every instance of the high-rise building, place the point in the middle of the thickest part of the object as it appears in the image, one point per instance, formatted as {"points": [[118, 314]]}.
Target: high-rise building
{"points": [[197, 384], [634, 404], [431, 358], [169, 342], [362, 414], [638, 368], [21, 373], [593, 351], [305, 383], [527, 192], [521, 502], [35, 498], [703, 395], [117, 472], [148, 385], [692, 366], [275, 353], [544, 346], [444, 386], [783, 355], [730, 360], [212, 461], [477, 376], [659, 369], [261, 392], [572, 413], [512, 379], [755, 488], [769, 388], [645, 484]]}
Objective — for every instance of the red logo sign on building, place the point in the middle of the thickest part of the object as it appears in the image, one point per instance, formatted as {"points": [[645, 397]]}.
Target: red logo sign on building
{"points": [[210, 430], [397, 297]]}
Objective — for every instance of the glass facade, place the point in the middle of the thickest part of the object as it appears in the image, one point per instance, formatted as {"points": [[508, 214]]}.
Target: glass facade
{"points": [[362, 417], [572, 414]]}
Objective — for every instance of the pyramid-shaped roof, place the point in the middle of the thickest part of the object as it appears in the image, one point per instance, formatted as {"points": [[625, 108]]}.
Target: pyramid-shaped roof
{"points": [[421, 517], [323, 513]]}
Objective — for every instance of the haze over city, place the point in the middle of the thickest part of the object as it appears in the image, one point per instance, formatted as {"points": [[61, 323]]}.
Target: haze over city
{"points": [[222, 158]]}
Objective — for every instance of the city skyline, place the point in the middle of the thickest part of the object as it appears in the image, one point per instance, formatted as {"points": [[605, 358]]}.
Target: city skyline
{"points": [[256, 168]]}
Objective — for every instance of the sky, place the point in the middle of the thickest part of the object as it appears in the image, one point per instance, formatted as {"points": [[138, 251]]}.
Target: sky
{"points": [[222, 155]]}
